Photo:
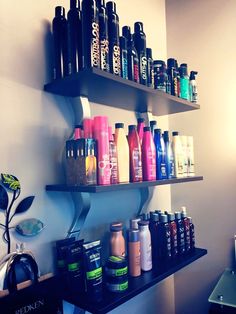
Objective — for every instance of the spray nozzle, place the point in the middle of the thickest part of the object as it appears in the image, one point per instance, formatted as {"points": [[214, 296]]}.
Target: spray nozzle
{"points": [[193, 75]]}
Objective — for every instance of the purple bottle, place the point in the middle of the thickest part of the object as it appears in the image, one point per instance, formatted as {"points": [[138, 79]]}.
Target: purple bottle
{"points": [[148, 156]]}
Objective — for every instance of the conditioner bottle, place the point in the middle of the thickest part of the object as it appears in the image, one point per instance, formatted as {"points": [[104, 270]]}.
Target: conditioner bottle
{"points": [[135, 155], [148, 156], [122, 153]]}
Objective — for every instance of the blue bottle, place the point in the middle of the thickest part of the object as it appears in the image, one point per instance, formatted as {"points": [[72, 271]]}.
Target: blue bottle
{"points": [[169, 156], [160, 155], [123, 57]]}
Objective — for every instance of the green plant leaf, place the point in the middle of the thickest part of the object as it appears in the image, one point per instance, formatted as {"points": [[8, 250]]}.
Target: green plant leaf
{"points": [[24, 205], [3, 198], [10, 182]]}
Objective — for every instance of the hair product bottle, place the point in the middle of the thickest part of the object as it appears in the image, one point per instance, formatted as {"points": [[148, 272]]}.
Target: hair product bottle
{"points": [[101, 135], [184, 81], [60, 41], [145, 246], [135, 156], [103, 35], [169, 156], [140, 45], [180, 233], [148, 156], [160, 75], [133, 62], [113, 37], [193, 87], [165, 238], [154, 227], [140, 127], [88, 128], [134, 253], [113, 157], [153, 126], [183, 139], [160, 155], [186, 229], [90, 30], [123, 57], [190, 155], [178, 155], [117, 241], [75, 36], [173, 235], [122, 153], [172, 76], [192, 234], [150, 68]]}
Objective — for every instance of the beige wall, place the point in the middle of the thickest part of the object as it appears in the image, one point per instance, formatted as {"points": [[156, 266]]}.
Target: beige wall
{"points": [[34, 126], [202, 33]]}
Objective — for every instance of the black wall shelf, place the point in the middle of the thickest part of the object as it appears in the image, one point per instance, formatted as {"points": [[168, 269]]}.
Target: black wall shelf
{"points": [[117, 187], [108, 89], [136, 285]]}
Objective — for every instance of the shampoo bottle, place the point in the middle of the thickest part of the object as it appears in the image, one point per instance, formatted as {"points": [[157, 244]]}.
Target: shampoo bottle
{"points": [[135, 155], [178, 155], [122, 153], [150, 69], [180, 233], [140, 45], [184, 144], [88, 128], [103, 161], [169, 156], [113, 157], [173, 235], [145, 246], [103, 36], [165, 238], [134, 253], [148, 156], [123, 57], [75, 36], [160, 155], [60, 41], [186, 229], [133, 61], [90, 30], [113, 36]]}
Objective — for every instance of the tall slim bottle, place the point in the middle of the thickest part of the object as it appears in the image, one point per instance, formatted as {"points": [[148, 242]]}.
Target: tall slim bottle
{"points": [[180, 233], [60, 41], [100, 127], [154, 227], [113, 157], [140, 45], [150, 68], [145, 246], [133, 62], [135, 155], [169, 156], [184, 81], [148, 156], [186, 229], [103, 35], [173, 235], [122, 153], [75, 36], [178, 155], [172, 76], [140, 127], [90, 30], [192, 234], [113, 37], [160, 155], [123, 57], [117, 241], [134, 253], [165, 236]]}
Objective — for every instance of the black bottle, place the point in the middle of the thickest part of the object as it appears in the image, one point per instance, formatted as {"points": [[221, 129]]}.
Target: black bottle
{"points": [[180, 233], [154, 227], [113, 37], [123, 57], [103, 35], [165, 238], [90, 29], [75, 53], [192, 234], [150, 70], [173, 235], [133, 63], [172, 76], [160, 75], [60, 41], [186, 230], [139, 38]]}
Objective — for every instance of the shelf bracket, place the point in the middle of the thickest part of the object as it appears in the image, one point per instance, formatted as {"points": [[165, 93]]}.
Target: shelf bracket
{"points": [[82, 204], [81, 107], [146, 195]]}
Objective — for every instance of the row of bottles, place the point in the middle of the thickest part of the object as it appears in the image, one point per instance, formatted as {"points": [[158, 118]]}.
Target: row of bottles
{"points": [[90, 37], [96, 156]]}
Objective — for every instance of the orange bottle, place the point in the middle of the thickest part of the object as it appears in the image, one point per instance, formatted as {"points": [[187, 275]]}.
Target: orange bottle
{"points": [[117, 241], [134, 253]]}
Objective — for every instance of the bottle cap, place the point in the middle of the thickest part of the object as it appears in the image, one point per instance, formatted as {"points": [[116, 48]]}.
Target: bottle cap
{"points": [[183, 208], [123, 43], [111, 7], [193, 75], [145, 216], [157, 131], [175, 133], [190, 220], [132, 127], [183, 69], [126, 32], [183, 214], [166, 136], [159, 63], [59, 11], [164, 218], [143, 223], [177, 215], [138, 27], [134, 235], [146, 129], [149, 52], [75, 4], [155, 217], [134, 223], [116, 226], [78, 126], [171, 216], [119, 125], [158, 211], [171, 63], [140, 120], [101, 3], [153, 122]]}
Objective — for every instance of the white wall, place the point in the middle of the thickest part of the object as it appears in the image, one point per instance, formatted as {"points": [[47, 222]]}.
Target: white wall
{"points": [[202, 33], [34, 126]]}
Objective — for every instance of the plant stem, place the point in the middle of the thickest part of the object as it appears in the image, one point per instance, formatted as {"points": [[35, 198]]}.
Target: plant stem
{"points": [[8, 238]]}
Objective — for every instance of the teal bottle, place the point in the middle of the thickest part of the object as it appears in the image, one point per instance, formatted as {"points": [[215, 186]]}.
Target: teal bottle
{"points": [[160, 155], [184, 82]]}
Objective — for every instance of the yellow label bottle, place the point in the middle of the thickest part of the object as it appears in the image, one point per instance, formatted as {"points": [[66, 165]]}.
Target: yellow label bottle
{"points": [[122, 153]]}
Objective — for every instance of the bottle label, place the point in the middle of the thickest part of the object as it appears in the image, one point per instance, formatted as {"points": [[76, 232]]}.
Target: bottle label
{"points": [[104, 55], [181, 238], [116, 60], [124, 64], [95, 53], [143, 68], [151, 161], [104, 170], [137, 164], [184, 88], [136, 70], [113, 164]]}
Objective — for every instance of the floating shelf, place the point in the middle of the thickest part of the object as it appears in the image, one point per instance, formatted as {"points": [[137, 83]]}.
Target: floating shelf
{"points": [[118, 187], [111, 90], [136, 285]]}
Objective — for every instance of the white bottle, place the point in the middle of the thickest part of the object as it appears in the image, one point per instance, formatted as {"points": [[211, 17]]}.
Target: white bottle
{"points": [[122, 153], [178, 155], [145, 245], [190, 154], [183, 139]]}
